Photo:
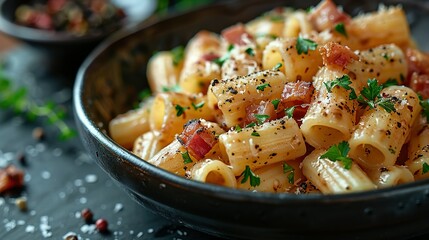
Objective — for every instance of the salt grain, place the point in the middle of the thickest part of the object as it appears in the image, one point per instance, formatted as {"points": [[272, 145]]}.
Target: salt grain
{"points": [[78, 182], [118, 207], [139, 234], [44, 227], [46, 175], [62, 195], [83, 200], [9, 225], [150, 230], [88, 229], [91, 178], [30, 229], [57, 152]]}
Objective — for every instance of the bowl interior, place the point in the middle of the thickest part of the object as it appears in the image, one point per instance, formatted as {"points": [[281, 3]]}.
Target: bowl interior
{"points": [[108, 84]]}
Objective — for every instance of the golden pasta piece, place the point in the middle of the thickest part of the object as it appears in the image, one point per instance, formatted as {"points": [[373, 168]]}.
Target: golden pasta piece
{"points": [[418, 149], [380, 135], [295, 66], [297, 23], [271, 142], [390, 176], [214, 172], [331, 177], [148, 144], [163, 71]]}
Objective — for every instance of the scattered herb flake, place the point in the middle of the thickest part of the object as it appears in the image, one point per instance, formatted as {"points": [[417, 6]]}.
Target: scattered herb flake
{"points": [[144, 94], [251, 124], [289, 169], [174, 88], [250, 51], [186, 158], [386, 56], [220, 61], [303, 45], [344, 82], [255, 134], [180, 110], [425, 108], [275, 102], [425, 168], [339, 152], [198, 105], [341, 29], [238, 128], [289, 112], [276, 18], [178, 54], [370, 96], [390, 82], [277, 66], [261, 118], [262, 87], [248, 174]]}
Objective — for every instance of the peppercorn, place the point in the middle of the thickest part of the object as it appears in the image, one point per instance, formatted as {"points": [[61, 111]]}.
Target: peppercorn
{"points": [[87, 215], [101, 224], [21, 203], [20, 157], [38, 133]]}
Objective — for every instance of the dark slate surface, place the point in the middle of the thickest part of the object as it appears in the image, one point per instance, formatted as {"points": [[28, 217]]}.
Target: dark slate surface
{"points": [[60, 177]]}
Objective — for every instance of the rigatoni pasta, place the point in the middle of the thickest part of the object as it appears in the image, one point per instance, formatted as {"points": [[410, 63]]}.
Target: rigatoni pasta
{"points": [[294, 101]]}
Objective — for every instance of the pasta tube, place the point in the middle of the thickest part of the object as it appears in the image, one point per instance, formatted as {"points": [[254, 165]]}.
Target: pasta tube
{"points": [[379, 136], [235, 94], [198, 67], [390, 176], [163, 71], [418, 149], [294, 65], [331, 177], [148, 144], [214, 172], [271, 142]]}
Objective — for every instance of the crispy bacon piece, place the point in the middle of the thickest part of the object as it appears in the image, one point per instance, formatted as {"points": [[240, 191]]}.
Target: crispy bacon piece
{"points": [[326, 15], [337, 55], [197, 139], [210, 57], [236, 34], [264, 108], [297, 94], [418, 71], [11, 177]]}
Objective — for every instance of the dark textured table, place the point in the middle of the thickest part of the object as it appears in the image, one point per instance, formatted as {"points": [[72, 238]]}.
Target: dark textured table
{"points": [[60, 178]]}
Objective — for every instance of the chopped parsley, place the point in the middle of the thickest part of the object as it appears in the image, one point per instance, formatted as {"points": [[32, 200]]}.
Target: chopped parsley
{"points": [[277, 66], [174, 88], [180, 110], [276, 18], [178, 54], [262, 87], [250, 51], [303, 45], [186, 158], [238, 128], [198, 105], [255, 134], [220, 61], [339, 153], [386, 56], [425, 107], [275, 102], [425, 168], [261, 118], [341, 29], [248, 174], [145, 93], [370, 96], [343, 82], [251, 124], [289, 169], [289, 112], [390, 82]]}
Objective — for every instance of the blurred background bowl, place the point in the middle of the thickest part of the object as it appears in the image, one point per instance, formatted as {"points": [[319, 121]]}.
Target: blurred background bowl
{"points": [[108, 83], [62, 45]]}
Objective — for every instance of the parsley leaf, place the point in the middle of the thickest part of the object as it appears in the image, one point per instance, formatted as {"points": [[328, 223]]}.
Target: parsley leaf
{"points": [[341, 29], [250, 51], [174, 88], [344, 82], [275, 102], [289, 112], [186, 158], [178, 54], [255, 133], [248, 174], [390, 82], [198, 105], [145, 93], [262, 87], [238, 128], [220, 61], [370, 96], [180, 110], [339, 153], [425, 108], [303, 45], [289, 169], [277, 66], [425, 168], [261, 118], [251, 124]]}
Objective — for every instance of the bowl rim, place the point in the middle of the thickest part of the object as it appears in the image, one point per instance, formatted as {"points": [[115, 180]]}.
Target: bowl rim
{"points": [[200, 187], [48, 36]]}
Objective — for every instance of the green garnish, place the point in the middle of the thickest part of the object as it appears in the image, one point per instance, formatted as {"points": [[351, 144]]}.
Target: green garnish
{"points": [[343, 82], [390, 82], [425, 108], [144, 94], [250, 51], [186, 158], [339, 153], [198, 105], [386, 56], [276, 18], [425, 168], [19, 101], [220, 61], [370, 96], [289, 112], [180, 110], [303, 45], [238, 128], [262, 87], [255, 134], [277, 66], [261, 118], [174, 88], [341, 29], [275, 102], [178, 54], [248, 174], [251, 125], [289, 169]]}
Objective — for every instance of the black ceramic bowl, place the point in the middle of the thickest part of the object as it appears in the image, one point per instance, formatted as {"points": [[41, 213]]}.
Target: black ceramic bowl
{"points": [[107, 84], [63, 43]]}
